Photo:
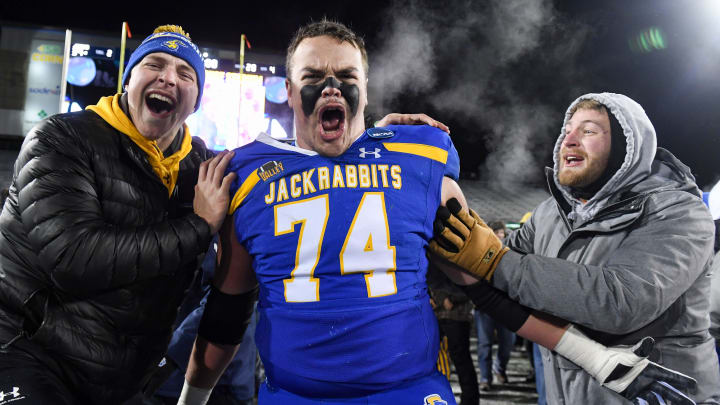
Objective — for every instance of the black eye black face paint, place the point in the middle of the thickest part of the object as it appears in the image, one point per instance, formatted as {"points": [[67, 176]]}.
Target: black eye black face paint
{"points": [[311, 93]]}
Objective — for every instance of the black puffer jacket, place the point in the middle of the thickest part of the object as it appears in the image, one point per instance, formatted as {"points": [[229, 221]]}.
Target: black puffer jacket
{"points": [[94, 256]]}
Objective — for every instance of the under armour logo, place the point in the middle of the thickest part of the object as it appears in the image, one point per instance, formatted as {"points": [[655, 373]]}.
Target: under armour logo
{"points": [[375, 153], [15, 393]]}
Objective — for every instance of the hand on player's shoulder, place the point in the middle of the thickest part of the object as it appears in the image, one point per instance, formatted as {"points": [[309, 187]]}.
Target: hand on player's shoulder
{"points": [[411, 119]]}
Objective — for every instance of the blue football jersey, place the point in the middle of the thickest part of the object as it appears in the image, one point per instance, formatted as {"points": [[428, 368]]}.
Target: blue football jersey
{"points": [[338, 248]]}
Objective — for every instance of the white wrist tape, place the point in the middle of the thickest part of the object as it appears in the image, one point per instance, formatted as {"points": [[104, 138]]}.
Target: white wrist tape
{"points": [[600, 361], [193, 395], [583, 351]]}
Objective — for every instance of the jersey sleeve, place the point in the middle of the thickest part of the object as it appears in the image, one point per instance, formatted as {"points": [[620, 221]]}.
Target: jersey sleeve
{"points": [[452, 167], [433, 138], [246, 179]]}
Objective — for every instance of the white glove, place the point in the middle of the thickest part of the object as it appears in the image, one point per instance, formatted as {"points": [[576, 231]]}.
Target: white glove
{"points": [[626, 370]]}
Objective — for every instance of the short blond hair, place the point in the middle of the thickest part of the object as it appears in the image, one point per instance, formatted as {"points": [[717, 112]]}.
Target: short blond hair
{"points": [[588, 104], [329, 28], [172, 28]]}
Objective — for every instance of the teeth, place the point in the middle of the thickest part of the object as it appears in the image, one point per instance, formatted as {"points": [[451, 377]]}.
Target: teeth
{"points": [[160, 97]]}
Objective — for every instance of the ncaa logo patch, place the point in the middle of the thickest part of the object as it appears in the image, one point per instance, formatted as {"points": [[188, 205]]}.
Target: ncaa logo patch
{"points": [[380, 133], [434, 399]]}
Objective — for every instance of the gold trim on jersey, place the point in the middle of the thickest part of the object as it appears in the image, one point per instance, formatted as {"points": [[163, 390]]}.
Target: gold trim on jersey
{"points": [[243, 191], [430, 152]]}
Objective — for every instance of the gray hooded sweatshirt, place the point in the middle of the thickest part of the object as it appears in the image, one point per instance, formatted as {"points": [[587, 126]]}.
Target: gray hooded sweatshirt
{"points": [[632, 261], [715, 299]]}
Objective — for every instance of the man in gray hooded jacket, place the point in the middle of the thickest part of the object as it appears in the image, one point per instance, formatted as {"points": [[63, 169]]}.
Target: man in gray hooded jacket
{"points": [[621, 249]]}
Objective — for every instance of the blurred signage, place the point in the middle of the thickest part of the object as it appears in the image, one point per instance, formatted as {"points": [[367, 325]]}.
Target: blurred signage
{"points": [[46, 52], [79, 49], [227, 65], [43, 83], [235, 108], [231, 111], [258, 68]]}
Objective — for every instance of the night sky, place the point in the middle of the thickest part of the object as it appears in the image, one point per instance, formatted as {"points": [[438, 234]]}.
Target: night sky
{"points": [[532, 66]]}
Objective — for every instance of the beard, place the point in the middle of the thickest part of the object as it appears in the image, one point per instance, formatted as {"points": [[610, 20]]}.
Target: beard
{"points": [[582, 177]]}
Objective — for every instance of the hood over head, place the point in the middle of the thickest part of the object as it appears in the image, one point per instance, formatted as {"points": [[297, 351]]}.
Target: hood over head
{"points": [[624, 169]]}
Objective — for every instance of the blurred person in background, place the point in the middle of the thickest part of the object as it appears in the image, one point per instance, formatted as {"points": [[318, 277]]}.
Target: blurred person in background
{"points": [[237, 384], [488, 331], [454, 312]]}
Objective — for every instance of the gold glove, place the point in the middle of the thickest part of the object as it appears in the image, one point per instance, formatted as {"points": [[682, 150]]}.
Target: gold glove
{"points": [[464, 239]]}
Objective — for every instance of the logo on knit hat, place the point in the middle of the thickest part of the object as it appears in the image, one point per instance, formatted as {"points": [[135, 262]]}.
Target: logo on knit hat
{"points": [[174, 44]]}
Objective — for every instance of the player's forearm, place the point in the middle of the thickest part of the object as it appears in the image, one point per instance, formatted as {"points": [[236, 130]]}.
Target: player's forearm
{"points": [[207, 362], [623, 370], [543, 329], [540, 328], [219, 335]]}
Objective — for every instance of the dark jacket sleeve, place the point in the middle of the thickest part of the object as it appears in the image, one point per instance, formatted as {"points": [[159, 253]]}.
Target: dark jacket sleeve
{"points": [[63, 218]]}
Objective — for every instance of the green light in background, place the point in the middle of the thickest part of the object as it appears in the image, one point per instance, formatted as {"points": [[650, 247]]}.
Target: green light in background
{"points": [[657, 38], [645, 46], [648, 40]]}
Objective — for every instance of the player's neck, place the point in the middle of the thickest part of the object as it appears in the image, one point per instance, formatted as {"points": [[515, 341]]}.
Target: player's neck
{"points": [[306, 143]]}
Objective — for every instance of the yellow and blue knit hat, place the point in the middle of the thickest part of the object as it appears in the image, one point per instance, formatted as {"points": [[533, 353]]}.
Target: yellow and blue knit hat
{"points": [[175, 44]]}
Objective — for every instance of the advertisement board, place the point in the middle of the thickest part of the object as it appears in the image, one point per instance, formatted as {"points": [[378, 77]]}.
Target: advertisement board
{"points": [[43, 82]]}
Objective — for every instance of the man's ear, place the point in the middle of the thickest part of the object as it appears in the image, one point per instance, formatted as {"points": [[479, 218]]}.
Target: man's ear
{"points": [[288, 89]]}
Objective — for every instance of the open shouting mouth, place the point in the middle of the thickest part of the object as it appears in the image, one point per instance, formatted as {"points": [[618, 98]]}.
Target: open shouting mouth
{"points": [[573, 160], [160, 104], [332, 120]]}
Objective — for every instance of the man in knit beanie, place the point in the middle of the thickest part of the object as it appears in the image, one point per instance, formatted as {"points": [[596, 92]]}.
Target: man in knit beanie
{"points": [[108, 217]]}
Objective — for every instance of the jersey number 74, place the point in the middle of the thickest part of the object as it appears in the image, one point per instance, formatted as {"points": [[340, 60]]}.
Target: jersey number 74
{"points": [[366, 248]]}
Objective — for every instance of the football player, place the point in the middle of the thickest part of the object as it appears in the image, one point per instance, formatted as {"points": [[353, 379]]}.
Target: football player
{"points": [[333, 230]]}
